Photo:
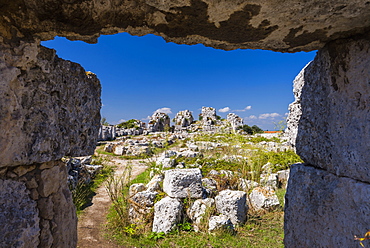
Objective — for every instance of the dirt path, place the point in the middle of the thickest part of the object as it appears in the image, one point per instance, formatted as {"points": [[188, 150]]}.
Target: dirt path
{"points": [[92, 222]]}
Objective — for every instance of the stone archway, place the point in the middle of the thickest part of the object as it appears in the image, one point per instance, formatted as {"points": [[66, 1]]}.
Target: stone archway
{"points": [[50, 107]]}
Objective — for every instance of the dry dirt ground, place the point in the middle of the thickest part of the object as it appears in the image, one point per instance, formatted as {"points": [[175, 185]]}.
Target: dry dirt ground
{"points": [[92, 222]]}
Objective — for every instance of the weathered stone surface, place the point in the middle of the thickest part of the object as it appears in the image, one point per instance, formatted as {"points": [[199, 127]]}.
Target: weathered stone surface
{"points": [[183, 183], [325, 209], [329, 122], [18, 216], [140, 206], [263, 198], [197, 211], [167, 213], [234, 120], [220, 222], [233, 204], [50, 180], [158, 122], [49, 107], [64, 223], [183, 118], [136, 188], [227, 24]]}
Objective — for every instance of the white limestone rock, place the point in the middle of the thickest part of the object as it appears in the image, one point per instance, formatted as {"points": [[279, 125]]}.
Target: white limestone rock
{"points": [[167, 213], [264, 198], [136, 188], [220, 222], [233, 204], [270, 180], [197, 211], [245, 184], [183, 183]]}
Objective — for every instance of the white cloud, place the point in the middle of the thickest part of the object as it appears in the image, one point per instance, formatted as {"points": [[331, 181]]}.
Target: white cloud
{"points": [[224, 110], [244, 109], [164, 110], [268, 115], [252, 117], [120, 121]]}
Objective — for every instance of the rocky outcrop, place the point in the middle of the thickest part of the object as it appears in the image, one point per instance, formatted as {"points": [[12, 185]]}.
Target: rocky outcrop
{"points": [[234, 120], [158, 122], [208, 116], [329, 125], [183, 119]]}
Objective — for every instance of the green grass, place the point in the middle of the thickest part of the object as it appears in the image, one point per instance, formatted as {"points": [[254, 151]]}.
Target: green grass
{"points": [[259, 231], [83, 193]]}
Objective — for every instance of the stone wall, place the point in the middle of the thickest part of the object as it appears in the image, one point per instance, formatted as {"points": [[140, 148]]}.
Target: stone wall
{"points": [[36, 207], [49, 108], [329, 122]]}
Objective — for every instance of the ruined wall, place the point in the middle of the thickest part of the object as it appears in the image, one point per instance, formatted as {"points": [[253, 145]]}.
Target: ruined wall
{"points": [[49, 108], [328, 198]]}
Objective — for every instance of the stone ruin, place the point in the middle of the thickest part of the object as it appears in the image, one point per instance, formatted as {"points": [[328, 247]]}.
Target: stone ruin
{"points": [[158, 122], [208, 116], [234, 120], [49, 107], [183, 119]]}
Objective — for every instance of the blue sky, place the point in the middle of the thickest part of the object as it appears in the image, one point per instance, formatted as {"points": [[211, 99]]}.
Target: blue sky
{"points": [[140, 75]]}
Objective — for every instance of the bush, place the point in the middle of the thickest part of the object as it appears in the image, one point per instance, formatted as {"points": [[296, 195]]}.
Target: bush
{"points": [[128, 124]]}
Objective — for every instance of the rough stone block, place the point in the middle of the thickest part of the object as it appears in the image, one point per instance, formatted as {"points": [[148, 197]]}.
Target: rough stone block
{"points": [[197, 211], [233, 204], [329, 122], [324, 210], [167, 213], [220, 222], [19, 216], [49, 107], [183, 183], [263, 198]]}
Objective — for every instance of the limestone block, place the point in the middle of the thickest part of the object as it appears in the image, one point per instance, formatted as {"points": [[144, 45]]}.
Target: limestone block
{"points": [[167, 213], [325, 209], [220, 222], [119, 150], [233, 204], [155, 183], [140, 206], [245, 184], [263, 198], [329, 122], [198, 209], [18, 216], [136, 188], [49, 107], [50, 181], [183, 183], [270, 180]]}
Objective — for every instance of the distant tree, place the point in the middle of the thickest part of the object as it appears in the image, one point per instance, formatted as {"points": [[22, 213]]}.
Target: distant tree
{"points": [[246, 129], [200, 117], [128, 124], [218, 117], [250, 130], [104, 122], [256, 129]]}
